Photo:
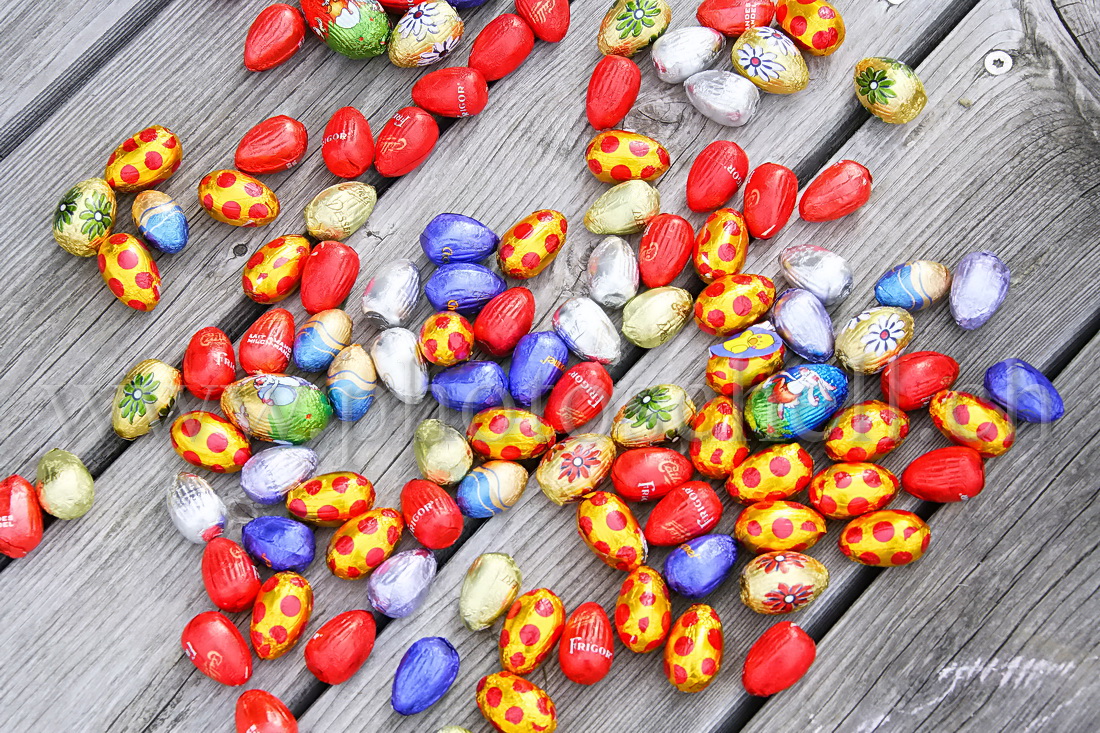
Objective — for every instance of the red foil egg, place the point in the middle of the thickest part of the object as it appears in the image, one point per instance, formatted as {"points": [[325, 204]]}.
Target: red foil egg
{"points": [[733, 17], [587, 646], [266, 345], [955, 473], [770, 196], [348, 145], [405, 142], [274, 145], [665, 247], [328, 276], [612, 91], [647, 474], [505, 320], [208, 363], [340, 647], [20, 517], [217, 649], [549, 19], [910, 380], [258, 711], [777, 660], [431, 514], [837, 191], [689, 510], [579, 396], [459, 91], [503, 44], [274, 36], [717, 173], [229, 575]]}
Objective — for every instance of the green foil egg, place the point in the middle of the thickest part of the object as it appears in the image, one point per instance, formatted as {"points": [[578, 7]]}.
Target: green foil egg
{"points": [[442, 453], [277, 408], [491, 584], [64, 486], [358, 29]]}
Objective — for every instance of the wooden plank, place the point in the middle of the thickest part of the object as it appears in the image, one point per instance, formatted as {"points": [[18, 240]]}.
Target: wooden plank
{"points": [[157, 685], [1081, 22], [909, 166]]}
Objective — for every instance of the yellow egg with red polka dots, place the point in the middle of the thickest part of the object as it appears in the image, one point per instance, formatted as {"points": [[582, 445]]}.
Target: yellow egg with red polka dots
{"points": [[733, 303], [528, 247], [693, 654], [721, 245], [511, 704], [973, 422], [509, 434], [609, 528], [886, 538], [331, 499], [615, 156], [782, 582], [643, 612], [531, 630], [814, 25], [144, 160], [846, 490], [237, 198], [778, 472], [363, 542], [717, 438], [210, 441], [275, 270], [745, 360], [280, 615], [866, 431], [770, 526], [446, 338], [130, 271]]}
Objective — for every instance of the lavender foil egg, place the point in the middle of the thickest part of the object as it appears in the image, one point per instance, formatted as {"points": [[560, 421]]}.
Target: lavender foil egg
{"points": [[803, 323], [978, 288], [270, 474], [398, 586]]}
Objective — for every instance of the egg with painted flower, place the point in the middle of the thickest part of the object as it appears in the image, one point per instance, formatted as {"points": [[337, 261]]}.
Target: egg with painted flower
{"points": [[532, 243], [609, 528], [146, 159], [782, 582], [236, 198], [814, 25], [320, 339], [795, 401], [744, 360], [143, 397], [363, 542], [913, 286], [733, 303], [130, 271], [277, 407], [889, 90], [426, 34], [85, 217], [653, 415], [721, 245], [351, 383], [210, 441], [575, 467], [358, 29], [885, 539], [631, 25], [160, 221], [617, 155], [770, 60], [280, 615], [873, 339]]}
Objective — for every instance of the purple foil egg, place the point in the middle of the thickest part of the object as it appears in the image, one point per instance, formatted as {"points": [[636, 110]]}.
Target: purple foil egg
{"points": [[978, 288], [397, 587], [698, 566], [462, 287], [424, 675], [279, 543], [537, 363], [456, 238], [270, 474], [471, 387], [1023, 391], [804, 324]]}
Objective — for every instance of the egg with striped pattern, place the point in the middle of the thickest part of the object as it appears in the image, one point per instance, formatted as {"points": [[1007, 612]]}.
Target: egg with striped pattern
{"points": [[351, 383], [913, 286], [160, 221]]}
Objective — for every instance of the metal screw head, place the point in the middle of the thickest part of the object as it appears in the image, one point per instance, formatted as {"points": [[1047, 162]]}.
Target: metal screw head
{"points": [[998, 62]]}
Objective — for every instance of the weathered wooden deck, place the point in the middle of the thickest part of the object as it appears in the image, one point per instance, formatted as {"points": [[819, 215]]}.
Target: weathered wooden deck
{"points": [[992, 630]]}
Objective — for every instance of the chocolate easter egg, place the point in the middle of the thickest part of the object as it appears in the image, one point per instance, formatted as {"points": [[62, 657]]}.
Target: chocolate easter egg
{"points": [[274, 36], [280, 615], [398, 586], [160, 221], [686, 51], [463, 287], [625, 208], [748, 358], [406, 140], [270, 474], [777, 472], [424, 675], [392, 293], [777, 660], [258, 711], [358, 29], [195, 509], [501, 46], [978, 289], [279, 543], [587, 331], [866, 431], [697, 567], [795, 401], [455, 92], [363, 542], [733, 303], [442, 453], [885, 539], [531, 630], [773, 526], [889, 90], [631, 25], [822, 272], [21, 530], [653, 318], [266, 345], [457, 238], [85, 217], [143, 397], [693, 653], [575, 467], [430, 514], [587, 646], [274, 271], [210, 441], [229, 575], [721, 245], [664, 250], [643, 611], [328, 275], [782, 582], [537, 363], [130, 272], [491, 584], [508, 434], [277, 408], [872, 339], [504, 320], [338, 649], [770, 195], [612, 91], [400, 365], [426, 34], [337, 212], [236, 198], [653, 415], [609, 528], [770, 60], [913, 286], [734, 17], [801, 319], [1023, 391], [910, 380], [502, 694], [532, 243], [716, 174], [612, 273], [320, 339], [276, 144], [348, 145], [971, 421], [717, 443], [578, 397], [446, 338], [815, 25], [723, 96], [688, 511], [351, 383], [846, 490], [217, 649], [617, 155], [471, 387], [549, 19], [647, 474], [331, 499], [955, 473], [837, 191], [146, 159]]}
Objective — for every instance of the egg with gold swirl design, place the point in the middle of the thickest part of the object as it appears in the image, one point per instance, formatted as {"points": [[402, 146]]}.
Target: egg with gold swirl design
{"points": [[363, 543], [643, 611], [351, 383], [693, 653], [531, 630], [886, 538], [160, 221], [491, 488], [274, 271], [320, 339], [280, 615]]}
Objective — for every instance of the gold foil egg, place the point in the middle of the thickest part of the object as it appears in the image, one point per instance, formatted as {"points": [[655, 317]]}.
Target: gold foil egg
{"points": [[331, 499], [717, 442], [721, 245], [782, 582], [532, 243], [509, 434], [338, 211], [575, 467], [770, 60], [814, 25], [733, 303], [275, 270], [769, 526], [426, 34], [693, 654], [490, 586], [236, 198], [130, 271], [512, 704], [363, 543], [609, 528], [146, 159], [446, 338], [653, 415], [971, 421], [531, 630], [886, 538], [85, 217], [280, 615], [889, 90], [845, 490], [631, 25], [210, 441], [616, 155], [143, 397], [873, 339], [64, 486], [643, 611], [623, 209], [442, 454], [866, 431], [653, 318], [777, 472]]}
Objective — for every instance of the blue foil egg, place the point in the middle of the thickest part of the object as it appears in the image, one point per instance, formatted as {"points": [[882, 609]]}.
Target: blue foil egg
{"points": [[398, 586], [698, 566], [279, 543], [914, 285], [320, 339], [160, 221], [351, 383], [456, 238], [425, 673], [471, 387], [978, 288], [270, 474], [1023, 391], [491, 489], [804, 324], [537, 363], [462, 287], [795, 401]]}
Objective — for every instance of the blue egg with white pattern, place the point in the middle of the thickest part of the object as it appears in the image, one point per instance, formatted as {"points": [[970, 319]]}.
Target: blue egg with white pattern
{"points": [[426, 671], [471, 387], [451, 238], [351, 383], [279, 543], [320, 339], [538, 362], [463, 287], [913, 286], [1024, 391], [697, 567], [160, 221]]}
